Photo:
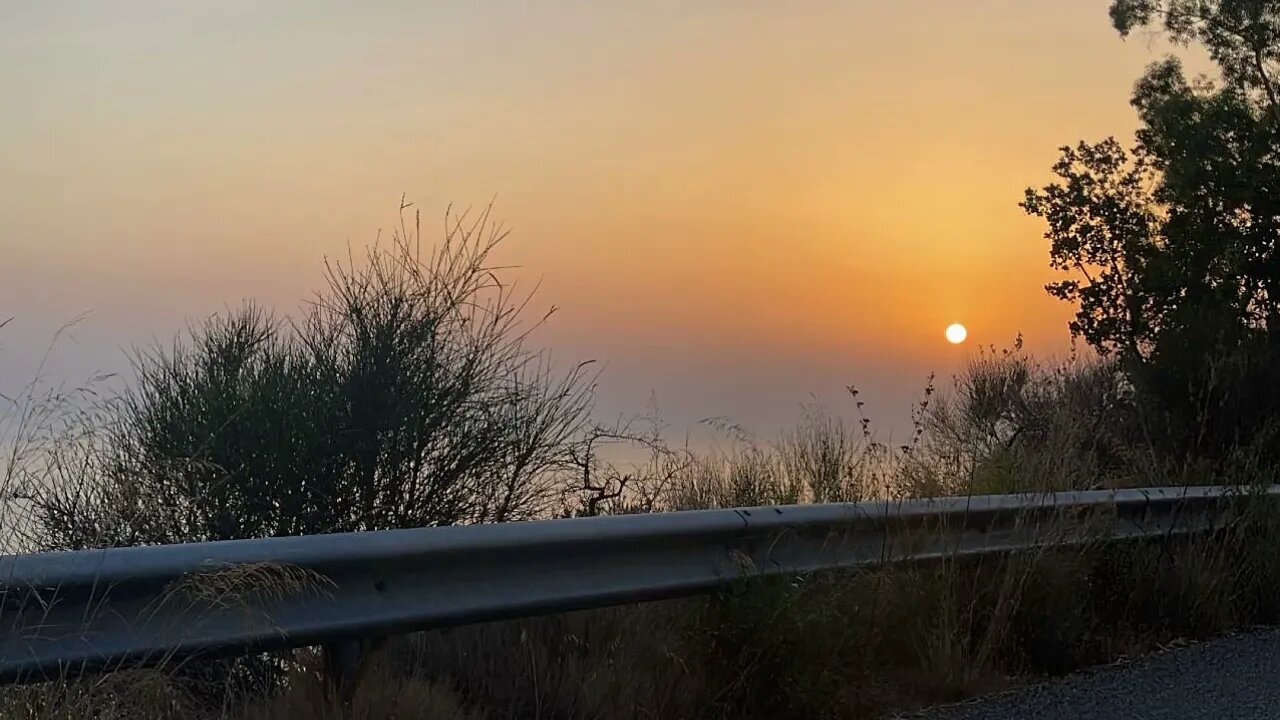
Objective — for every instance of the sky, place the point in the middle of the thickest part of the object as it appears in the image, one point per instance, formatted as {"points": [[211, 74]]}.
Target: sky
{"points": [[737, 206]]}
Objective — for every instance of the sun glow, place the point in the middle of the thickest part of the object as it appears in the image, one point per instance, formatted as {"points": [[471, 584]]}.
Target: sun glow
{"points": [[956, 333]]}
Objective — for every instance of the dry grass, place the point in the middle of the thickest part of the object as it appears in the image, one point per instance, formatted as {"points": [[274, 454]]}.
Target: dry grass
{"points": [[863, 644], [248, 585], [116, 696], [382, 694]]}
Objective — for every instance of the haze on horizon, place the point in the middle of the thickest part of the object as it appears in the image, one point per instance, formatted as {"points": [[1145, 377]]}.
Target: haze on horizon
{"points": [[737, 205]]}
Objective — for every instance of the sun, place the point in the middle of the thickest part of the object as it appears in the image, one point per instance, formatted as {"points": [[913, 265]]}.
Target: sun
{"points": [[956, 333]]}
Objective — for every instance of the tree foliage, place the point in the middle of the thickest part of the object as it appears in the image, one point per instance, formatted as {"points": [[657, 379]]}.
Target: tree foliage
{"points": [[1173, 246], [1241, 36], [1103, 228]]}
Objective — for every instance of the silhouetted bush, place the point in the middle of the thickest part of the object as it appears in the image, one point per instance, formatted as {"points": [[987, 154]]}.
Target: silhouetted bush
{"points": [[404, 396]]}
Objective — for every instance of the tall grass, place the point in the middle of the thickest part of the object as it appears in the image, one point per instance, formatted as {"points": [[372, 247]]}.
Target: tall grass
{"points": [[47, 432], [865, 644]]}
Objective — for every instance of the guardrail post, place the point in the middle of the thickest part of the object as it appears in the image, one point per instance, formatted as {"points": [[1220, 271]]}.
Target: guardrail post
{"points": [[343, 662]]}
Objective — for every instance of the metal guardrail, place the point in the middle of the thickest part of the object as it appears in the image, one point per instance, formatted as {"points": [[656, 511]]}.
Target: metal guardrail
{"points": [[65, 613]]}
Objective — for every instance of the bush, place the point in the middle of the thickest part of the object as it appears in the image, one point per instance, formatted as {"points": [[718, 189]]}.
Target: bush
{"points": [[404, 396]]}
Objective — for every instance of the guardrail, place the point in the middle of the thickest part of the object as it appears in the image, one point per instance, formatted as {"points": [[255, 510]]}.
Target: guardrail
{"points": [[66, 613]]}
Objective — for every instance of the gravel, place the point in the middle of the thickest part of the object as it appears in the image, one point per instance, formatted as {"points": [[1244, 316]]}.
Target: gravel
{"points": [[1232, 678]]}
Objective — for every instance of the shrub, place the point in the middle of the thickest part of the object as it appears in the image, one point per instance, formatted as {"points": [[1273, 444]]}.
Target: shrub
{"points": [[404, 396]]}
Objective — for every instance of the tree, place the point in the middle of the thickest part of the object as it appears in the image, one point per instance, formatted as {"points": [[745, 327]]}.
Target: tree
{"points": [[1103, 226], [1241, 36], [1174, 245]]}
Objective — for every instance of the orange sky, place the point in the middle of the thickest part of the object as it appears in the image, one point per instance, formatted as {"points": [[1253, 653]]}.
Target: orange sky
{"points": [[736, 203]]}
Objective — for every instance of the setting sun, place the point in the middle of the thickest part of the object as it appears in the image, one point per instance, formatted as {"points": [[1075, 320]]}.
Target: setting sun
{"points": [[956, 333]]}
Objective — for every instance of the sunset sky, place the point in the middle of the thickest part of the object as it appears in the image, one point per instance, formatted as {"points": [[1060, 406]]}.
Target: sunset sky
{"points": [[737, 205]]}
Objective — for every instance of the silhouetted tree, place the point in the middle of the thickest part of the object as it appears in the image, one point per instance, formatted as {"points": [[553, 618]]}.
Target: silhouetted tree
{"points": [[1174, 245]]}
